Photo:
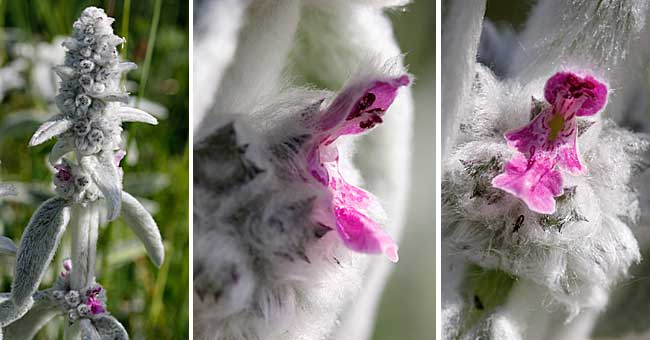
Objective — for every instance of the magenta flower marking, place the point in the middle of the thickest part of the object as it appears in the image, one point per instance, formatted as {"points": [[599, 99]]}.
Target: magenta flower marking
{"points": [[92, 301], [356, 109], [549, 141], [64, 173]]}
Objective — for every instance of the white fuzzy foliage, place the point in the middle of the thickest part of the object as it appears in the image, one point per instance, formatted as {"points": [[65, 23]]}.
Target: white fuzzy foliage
{"points": [[593, 34], [301, 300], [37, 248], [578, 252], [333, 39], [567, 262], [215, 42], [144, 227], [269, 33], [90, 98], [461, 38], [264, 267]]}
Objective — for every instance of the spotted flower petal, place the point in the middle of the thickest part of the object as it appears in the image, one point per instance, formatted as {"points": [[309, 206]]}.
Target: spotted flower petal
{"points": [[550, 141], [535, 182], [358, 108], [570, 85]]}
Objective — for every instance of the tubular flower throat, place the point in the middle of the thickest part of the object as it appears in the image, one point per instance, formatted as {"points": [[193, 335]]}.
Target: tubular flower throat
{"points": [[549, 142], [353, 111]]}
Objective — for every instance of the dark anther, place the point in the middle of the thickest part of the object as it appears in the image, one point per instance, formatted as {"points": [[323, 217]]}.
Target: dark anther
{"points": [[518, 224], [366, 101], [321, 230]]}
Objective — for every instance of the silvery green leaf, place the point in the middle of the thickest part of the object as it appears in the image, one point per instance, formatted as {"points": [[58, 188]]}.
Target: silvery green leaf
{"points": [[88, 330], [131, 114], [126, 66], [114, 97], [7, 246], [65, 72], [104, 173], [60, 148], [9, 312], [50, 129], [7, 190], [143, 225], [37, 247], [109, 328], [26, 327], [155, 109]]}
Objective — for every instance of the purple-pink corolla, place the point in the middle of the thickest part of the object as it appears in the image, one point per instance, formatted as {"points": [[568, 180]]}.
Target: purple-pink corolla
{"points": [[93, 301], [356, 109], [549, 141]]}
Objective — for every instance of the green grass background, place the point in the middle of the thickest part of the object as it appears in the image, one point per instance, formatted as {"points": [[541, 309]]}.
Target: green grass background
{"points": [[152, 303]]}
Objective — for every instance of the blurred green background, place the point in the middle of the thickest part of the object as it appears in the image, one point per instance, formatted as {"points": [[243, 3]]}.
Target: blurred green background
{"points": [[151, 303], [407, 309]]}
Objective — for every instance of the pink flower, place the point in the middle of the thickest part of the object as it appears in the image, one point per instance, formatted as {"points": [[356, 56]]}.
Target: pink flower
{"points": [[550, 141], [64, 173], [356, 109], [92, 301]]}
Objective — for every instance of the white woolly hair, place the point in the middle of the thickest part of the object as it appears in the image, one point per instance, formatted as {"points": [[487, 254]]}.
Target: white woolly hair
{"points": [[578, 252], [594, 33], [215, 44], [334, 38], [609, 36], [265, 268]]}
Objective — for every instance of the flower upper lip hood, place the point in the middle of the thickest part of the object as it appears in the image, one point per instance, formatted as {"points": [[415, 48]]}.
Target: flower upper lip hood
{"points": [[359, 107], [550, 140]]}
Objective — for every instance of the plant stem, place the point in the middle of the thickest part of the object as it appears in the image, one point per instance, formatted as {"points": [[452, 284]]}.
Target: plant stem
{"points": [[80, 223], [84, 225], [71, 332]]}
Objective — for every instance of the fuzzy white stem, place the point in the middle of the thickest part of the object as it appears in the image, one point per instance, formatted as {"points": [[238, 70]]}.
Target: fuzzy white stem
{"points": [[214, 49], [463, 26], [257, 66], [80, 229], [93, 234], [72, 332], [84, 228]]}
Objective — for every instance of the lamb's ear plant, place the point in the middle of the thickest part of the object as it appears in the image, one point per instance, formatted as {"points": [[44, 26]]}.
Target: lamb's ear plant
{"points": [[540, 212], [283, 230], [88, 186]]}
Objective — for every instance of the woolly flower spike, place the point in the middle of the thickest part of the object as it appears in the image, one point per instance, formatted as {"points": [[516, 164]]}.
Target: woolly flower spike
{"points": [[91, 101], [357, 109], [550, 141]]}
